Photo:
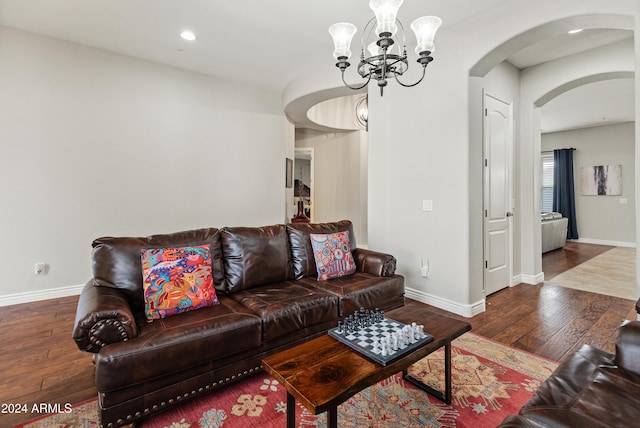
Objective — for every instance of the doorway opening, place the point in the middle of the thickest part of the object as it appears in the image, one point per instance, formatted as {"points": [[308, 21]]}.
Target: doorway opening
{"points": [[303, 182]]}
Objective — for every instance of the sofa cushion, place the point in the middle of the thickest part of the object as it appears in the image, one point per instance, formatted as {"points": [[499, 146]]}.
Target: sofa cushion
{"points": [[178, 343], [363, 290], [288, 306], [332, 255], [255, 256], [117, 263], [301, 251], [176, 280]]}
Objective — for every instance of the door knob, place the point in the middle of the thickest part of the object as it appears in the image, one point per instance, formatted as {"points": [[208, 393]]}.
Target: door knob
{"points": [[509, 214]]}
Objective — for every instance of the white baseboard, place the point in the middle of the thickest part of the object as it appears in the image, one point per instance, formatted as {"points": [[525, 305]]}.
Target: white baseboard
{"points": [[35, 296], [605, 242], [528, 279], [467, 311]]}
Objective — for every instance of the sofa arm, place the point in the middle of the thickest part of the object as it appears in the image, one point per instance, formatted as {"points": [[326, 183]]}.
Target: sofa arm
{"points": [[373, 262], [628, 347], [103, 316]]}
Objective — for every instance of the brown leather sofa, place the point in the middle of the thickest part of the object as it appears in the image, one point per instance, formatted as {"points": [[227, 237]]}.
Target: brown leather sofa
{"points": [[269, 300], [590, 388]]}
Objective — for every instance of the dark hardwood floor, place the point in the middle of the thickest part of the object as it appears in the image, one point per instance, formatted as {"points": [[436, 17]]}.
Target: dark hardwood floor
{"points": [[571, 255], [40, 363]]}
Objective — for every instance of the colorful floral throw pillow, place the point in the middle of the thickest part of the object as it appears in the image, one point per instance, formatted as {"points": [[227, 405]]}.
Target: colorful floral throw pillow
{"points": [[177, 280], [332, 253]]}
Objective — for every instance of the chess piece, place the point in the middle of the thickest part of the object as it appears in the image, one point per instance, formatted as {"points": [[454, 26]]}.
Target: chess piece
{"points": [[375, 346], [421, 331], [339, 330]]}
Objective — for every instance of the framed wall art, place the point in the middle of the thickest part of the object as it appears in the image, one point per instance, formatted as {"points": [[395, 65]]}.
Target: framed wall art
{"points": [[602, 180]]}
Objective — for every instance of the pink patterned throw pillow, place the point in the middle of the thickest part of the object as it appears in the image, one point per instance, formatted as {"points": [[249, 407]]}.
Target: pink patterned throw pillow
{"points": [[177, 280], [332, 253]]}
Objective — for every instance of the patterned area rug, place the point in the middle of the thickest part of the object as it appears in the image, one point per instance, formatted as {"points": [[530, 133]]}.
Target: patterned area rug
{"points": [[490, 381]]}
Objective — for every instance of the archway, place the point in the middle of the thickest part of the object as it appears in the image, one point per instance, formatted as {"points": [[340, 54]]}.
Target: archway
{"points": [[538, 88]]}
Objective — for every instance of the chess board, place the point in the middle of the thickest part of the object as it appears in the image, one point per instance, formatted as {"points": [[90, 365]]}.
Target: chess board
{"points": [[363, 338]]}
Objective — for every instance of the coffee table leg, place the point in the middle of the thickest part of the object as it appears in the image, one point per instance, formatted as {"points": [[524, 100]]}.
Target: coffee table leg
{"points": [[291, 411], [332, 417], [447, 396], [447, 373]]}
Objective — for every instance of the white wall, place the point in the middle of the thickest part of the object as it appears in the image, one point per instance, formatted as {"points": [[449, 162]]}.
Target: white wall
{"points": [[93, 143], [339, 177], [602, 219]]}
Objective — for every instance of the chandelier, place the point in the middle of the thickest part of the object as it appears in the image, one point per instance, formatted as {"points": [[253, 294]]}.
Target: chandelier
{"points": [[386, 55]]}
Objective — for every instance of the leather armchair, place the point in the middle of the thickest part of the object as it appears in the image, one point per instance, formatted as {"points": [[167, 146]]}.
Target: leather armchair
{"points": [[590, 388]]}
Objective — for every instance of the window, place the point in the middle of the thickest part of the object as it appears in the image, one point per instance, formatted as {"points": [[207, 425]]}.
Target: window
{"points": [[547, 180]]}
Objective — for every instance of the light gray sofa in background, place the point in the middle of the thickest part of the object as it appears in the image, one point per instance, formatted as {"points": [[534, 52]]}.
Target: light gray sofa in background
{"points": [[554, 231]]}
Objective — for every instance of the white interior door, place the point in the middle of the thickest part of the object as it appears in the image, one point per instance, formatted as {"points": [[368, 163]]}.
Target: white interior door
{"points": [[498, 185]]}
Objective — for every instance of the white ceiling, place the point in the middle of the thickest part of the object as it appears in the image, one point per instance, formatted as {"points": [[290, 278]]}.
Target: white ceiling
{"points": [[270, 43], [265, 43]]}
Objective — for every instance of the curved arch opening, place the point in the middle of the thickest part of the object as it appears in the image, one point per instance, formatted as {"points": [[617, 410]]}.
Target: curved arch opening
{"points": [[556, 92], [553, 28], [527, 241]]}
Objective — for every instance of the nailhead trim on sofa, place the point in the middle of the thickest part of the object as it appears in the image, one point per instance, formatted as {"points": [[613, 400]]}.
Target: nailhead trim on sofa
{"points": [[163, 404], [94, 340]]}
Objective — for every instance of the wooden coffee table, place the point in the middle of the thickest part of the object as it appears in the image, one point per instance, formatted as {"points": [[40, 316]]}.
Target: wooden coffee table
{"points": [[323, 373]]}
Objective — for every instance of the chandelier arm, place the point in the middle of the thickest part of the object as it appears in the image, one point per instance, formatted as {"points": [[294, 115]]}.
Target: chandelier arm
{"points": [[355, 88], [366, 35], [424, 71]]}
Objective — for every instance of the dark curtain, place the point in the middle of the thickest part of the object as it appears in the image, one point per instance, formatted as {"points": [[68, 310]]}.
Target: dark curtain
{"points": [[563, 189]]}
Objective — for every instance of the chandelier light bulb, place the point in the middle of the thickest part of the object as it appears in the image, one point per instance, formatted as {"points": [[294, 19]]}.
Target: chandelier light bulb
{"points": [[425, 29], [386, 12], [342, 34]]}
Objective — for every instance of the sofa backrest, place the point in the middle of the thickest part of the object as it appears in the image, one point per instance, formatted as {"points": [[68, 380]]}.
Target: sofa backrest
{"points": [[304, 263], [117, 261], [242, 257], [255, 256]]}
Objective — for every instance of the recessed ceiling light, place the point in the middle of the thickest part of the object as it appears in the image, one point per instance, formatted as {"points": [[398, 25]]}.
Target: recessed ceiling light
{"points": [[188, 35], [575, 31]]}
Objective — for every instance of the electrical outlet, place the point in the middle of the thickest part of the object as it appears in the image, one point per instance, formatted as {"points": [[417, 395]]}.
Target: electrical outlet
{"points": [[40, 268], [425, 271]]}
